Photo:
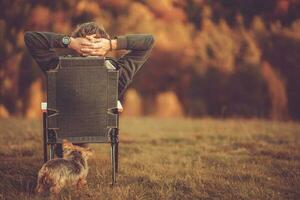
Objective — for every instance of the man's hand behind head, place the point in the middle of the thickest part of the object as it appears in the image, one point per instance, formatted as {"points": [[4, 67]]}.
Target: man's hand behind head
{"points": [[78, 43], [100, 46], [92, 45]]}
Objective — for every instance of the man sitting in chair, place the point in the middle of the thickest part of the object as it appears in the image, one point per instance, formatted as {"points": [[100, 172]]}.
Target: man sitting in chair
{"points": [[90, 39]]}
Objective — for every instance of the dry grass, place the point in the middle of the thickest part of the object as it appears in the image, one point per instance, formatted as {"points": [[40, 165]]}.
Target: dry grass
{"points": [[168, 159]]}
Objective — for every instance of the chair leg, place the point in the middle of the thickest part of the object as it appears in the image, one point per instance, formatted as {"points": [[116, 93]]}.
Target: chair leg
{"points": [[117, 157], [45, 136], [51, 152], [116, 141], [114, 154], [59, 150], [113, 162]]}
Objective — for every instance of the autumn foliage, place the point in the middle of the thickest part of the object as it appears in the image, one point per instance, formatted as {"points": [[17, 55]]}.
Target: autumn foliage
{"points": [[223, 58]]}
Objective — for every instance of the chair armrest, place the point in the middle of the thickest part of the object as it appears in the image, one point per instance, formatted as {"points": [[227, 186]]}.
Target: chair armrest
{"points": [[44, 106], [120, 107]]}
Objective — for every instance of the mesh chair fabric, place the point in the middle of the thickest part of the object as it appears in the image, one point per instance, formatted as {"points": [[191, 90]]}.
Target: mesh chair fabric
{"points": [[81, 91]]}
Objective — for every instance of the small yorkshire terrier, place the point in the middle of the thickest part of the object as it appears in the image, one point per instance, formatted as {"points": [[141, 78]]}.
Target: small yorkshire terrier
{"points": [[72, 169]]}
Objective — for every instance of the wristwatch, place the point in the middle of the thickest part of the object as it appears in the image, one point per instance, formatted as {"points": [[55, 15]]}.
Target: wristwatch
{"points": [[66, 40]]}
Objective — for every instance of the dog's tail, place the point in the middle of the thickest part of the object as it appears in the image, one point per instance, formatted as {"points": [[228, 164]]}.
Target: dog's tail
{"points": [[43, 183]]}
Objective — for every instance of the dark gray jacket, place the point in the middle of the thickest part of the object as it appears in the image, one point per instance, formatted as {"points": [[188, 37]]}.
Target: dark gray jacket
{"points": [[41, 46]]}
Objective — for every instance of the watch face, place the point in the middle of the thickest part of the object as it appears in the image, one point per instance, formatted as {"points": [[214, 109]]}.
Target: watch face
{"points": [[66, 40]]}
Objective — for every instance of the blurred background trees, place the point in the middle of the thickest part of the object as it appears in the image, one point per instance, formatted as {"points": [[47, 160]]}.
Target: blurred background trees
{"points": [[222, 58]]}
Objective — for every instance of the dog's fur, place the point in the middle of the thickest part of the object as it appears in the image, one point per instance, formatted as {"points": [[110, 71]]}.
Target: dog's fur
{"points": [[72, 169]]}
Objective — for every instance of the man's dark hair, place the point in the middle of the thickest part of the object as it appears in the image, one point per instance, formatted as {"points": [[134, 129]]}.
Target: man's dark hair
{"points": [[90, 28]]}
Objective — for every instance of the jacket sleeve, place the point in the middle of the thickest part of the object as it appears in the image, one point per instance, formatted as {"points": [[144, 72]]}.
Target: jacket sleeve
{"points": [[40, 46], [139, 46]]}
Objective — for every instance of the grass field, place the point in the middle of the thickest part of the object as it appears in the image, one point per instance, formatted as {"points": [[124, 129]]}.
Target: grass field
{"points": [[168, 159]]}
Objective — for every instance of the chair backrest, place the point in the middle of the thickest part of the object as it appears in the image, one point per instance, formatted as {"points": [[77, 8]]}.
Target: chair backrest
{"points": [[82, 94]]}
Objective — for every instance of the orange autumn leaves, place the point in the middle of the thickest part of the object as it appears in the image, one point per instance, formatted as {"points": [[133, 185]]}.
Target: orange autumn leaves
{"points": [[201, 48]]}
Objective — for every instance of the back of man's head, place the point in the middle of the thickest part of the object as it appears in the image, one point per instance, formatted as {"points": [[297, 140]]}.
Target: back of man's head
{"points": [[90, 28]]}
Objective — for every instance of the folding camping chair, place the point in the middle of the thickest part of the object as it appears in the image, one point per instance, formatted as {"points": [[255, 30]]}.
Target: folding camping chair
{"points": [[82, 105]]}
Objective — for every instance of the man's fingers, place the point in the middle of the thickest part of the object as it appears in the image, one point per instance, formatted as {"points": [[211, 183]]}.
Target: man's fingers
{"points": [[86, 50], [86, 43], [97, 40], [95, 46], [91, 36], [97, 53], [93, 39], [92, 52]]}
